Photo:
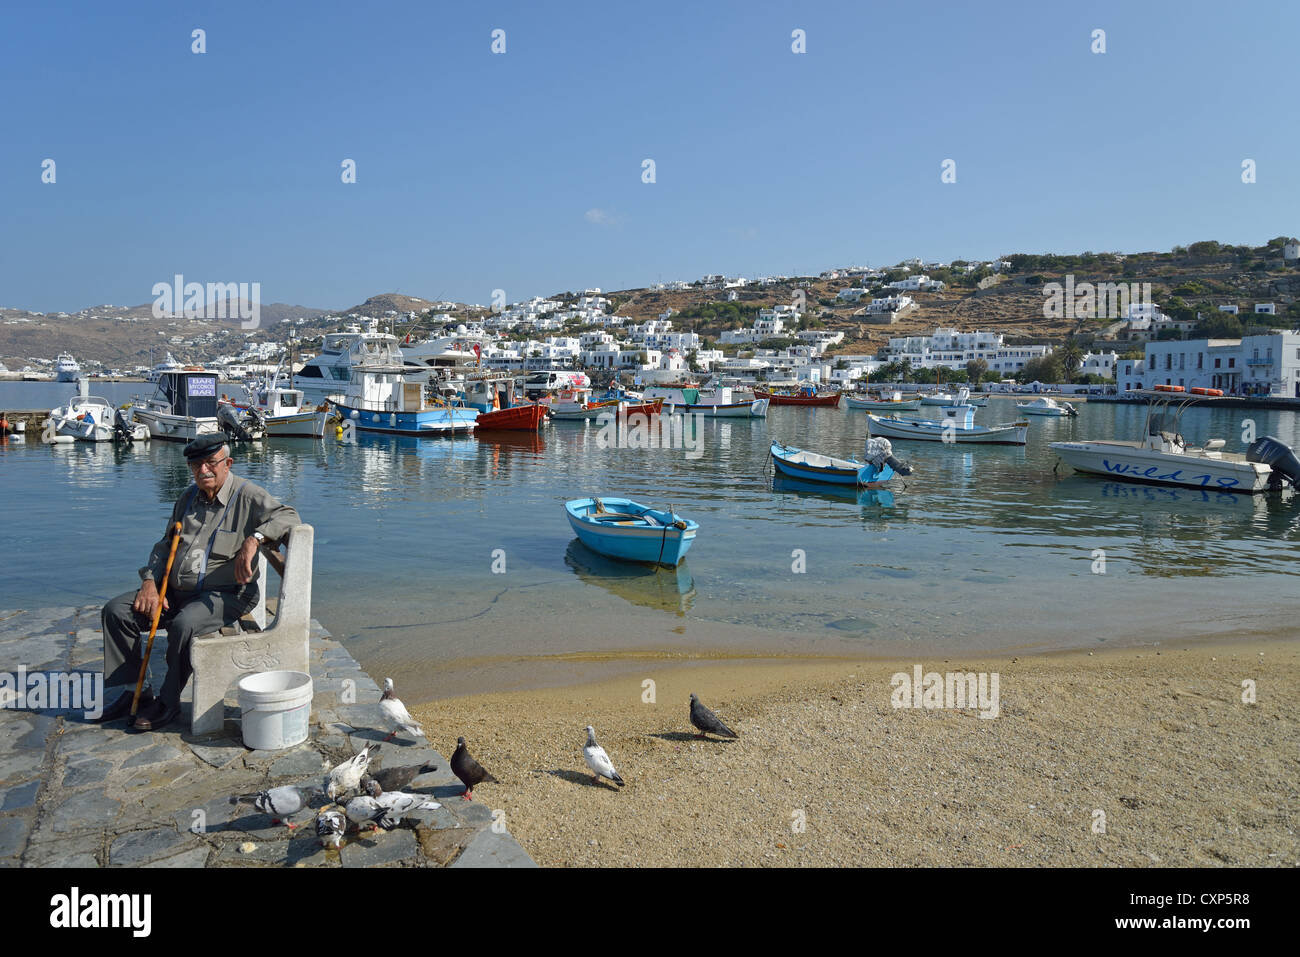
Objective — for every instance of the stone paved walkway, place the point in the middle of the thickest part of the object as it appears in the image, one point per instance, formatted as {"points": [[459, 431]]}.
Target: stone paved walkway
{"points": [[75, 794]]}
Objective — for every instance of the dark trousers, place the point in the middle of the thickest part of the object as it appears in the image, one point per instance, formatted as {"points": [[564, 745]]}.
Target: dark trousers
{"points": [[198, 613]]}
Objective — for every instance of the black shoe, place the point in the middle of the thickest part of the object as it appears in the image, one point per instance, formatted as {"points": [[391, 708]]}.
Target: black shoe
{"points": [[122, 706], [157, 715]]}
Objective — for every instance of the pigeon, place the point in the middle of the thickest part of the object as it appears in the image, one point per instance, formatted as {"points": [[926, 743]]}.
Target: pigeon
{"points": [[395, 714], [282, 802], [707, 721], [395, 779], [329, 828], [380, 808], [468, 770], [599, 762], [347, 776]]}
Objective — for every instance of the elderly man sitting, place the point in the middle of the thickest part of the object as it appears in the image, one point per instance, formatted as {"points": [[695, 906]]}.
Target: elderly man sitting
{"points": [[213, 581]]}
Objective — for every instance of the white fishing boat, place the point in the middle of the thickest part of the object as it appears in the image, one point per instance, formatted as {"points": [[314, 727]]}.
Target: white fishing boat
{"points": [[1163, 457], [719, 403], [939, 398], [1044, 405], [183, 408], [380, 400], [66, 368], [284, 412], [957, 426]]}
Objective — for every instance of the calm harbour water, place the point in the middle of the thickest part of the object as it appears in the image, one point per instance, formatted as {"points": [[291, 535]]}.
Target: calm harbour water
{"points": [[984, 549]]}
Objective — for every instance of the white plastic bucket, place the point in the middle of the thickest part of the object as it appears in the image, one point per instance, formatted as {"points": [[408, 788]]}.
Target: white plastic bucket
{"points": [[275, 709]]}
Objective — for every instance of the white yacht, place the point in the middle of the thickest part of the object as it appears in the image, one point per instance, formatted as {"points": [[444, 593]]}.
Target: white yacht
{"points": [[167, 365], [445, 356], [66, 368], [330, 372]]}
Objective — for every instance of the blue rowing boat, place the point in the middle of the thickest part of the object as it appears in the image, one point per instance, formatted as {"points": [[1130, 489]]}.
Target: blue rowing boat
{"points": [[621, 528], [875, 472]]}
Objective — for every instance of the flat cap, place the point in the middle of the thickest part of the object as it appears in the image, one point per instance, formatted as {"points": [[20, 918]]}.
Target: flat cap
{"points": [[204, 446]]}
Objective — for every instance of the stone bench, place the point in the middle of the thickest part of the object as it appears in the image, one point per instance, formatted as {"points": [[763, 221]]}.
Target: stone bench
{"points": [[220, 659]]}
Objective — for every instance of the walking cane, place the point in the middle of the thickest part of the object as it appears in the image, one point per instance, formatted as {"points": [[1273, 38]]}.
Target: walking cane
{"points": [[157, 614]]}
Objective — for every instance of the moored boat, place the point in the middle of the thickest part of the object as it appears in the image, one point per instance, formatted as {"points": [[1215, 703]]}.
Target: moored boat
{"points": [[183, 407], [1163, 457], [806, 396], [1044, 405], [624, 529], [518, 418], [379, 400], [876, 471], [894, 404], [958, 425], [691, 400]]}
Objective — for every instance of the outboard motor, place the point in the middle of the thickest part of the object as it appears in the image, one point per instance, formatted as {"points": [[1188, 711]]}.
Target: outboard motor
{"points": [[1278, 456], [879, 451], [230, 422], [123, 428]]}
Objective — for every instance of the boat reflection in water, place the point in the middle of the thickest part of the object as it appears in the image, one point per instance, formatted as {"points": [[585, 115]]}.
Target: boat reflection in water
{"points": [[668, 589], [881, 497]]}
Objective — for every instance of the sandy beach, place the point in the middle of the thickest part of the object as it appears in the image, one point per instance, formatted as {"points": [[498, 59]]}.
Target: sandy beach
{"points": [[1135, 757]]}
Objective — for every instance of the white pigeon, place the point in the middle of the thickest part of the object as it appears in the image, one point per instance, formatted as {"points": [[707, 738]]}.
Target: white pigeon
{"points": [[329, 828], [395, 714], [347, 776], [385, 809], [599, 762], [281, 803]]}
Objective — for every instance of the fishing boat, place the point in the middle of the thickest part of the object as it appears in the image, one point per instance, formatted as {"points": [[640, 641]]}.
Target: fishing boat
{"points": [[516, 418], [380, 400], [957, 425], [719, 403], [896, 403], [501, 407], [652, 407], [805, 396], [939, 398], [1163, 457], [183, 407], [282, 412], [627, 530], [576, 405], [1044, 405], [875, 471]]}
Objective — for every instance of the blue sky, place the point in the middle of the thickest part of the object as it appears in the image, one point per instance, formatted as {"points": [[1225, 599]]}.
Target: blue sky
{"points": [[523, 170]]}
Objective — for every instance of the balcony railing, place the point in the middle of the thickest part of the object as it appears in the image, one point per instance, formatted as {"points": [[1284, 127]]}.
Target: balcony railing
{"points": [[1267, 361]]}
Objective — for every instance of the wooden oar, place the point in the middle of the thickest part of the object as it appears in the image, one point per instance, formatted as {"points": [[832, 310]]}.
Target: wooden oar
{"points": [[157, 614]]}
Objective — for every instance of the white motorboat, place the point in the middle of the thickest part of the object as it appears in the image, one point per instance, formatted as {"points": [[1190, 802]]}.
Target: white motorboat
{"points": [[1163, 457], [90, 418], [577, 405], [1044, 405], [330, 372], [957, 426], [715, 403], [895, 403], [183, 408], [66, 368]]}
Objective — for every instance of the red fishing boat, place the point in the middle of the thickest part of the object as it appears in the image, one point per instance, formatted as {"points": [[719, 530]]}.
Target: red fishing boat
{"points": [[519, 418], [641, 408], [802, 397]]}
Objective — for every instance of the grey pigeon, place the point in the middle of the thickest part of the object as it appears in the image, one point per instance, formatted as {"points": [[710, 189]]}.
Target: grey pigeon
{"points": [[329, 828], [596, 758], [281, 803], [347, 776], [395, 779], [707, 721], [365, 808], [468, 770], [380, 809]]}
